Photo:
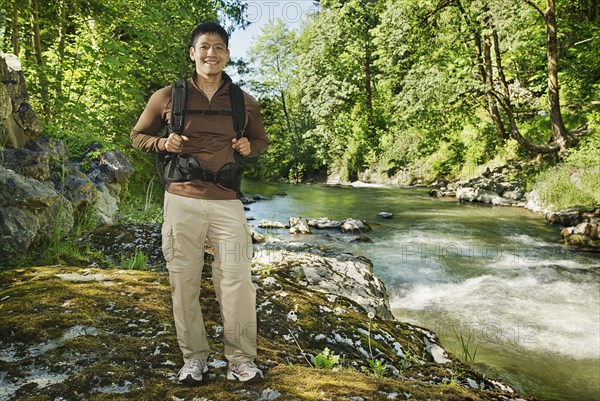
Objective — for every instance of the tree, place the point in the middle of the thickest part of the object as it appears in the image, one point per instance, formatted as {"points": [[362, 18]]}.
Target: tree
{"points": [[291, 153], [488, 52], [91, 64], [338, 72]]}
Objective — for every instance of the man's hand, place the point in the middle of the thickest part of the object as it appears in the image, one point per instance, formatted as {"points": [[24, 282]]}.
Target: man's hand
{"points": [[242, 146], [174, 143]]}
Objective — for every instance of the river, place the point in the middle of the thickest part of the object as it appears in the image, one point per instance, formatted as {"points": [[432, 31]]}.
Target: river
{"points": [[495, 277]]}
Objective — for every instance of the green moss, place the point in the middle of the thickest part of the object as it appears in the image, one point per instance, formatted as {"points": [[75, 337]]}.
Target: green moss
{"points": [[112, 338]]}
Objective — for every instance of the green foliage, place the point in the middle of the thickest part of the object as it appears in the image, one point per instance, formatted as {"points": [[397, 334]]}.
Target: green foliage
{"points": [[98, 62], [410, 359], [326, 359], [576, 181], [467, 345], [291, 153], [389, 86], [375, 368], [137, 261]]}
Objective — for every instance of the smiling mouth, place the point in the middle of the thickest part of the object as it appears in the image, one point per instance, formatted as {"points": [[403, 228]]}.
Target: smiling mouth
{"points": [[211, 62]]}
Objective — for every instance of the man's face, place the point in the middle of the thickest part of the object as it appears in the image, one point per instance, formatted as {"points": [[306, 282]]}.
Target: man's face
{"points": [[209, 54]]}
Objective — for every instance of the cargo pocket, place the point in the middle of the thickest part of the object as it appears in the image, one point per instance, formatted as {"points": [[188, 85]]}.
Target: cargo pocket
{"points": [[167, 242]]}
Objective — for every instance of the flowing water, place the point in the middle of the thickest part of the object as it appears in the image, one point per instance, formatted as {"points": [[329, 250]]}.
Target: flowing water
{"points": [[496, 278]]}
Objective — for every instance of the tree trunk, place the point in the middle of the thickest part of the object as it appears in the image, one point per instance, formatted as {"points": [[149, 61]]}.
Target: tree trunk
{"points": [[62, 37], [489, 79], [15, 30], [516, 134], [499, 68], [559, 131], [285, 111], [369, 99], [37, 53]]}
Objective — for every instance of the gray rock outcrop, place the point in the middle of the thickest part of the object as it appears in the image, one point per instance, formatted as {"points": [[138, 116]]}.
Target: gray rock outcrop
{"points": [[42, 191], [18, 123], [329, 271]]}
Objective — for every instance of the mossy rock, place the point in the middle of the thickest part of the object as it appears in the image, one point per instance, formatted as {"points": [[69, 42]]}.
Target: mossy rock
{"points": [[72, 333]]}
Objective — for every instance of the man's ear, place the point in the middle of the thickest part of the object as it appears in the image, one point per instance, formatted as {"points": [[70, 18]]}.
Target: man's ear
{"points": [[192, 53]]}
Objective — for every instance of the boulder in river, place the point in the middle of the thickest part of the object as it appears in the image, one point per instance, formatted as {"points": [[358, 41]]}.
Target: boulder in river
{"points": [[270, 224], [323, 223], [351, 225], [299, 225]]}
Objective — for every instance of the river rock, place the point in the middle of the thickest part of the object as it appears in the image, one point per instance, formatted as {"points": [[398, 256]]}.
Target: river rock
{"points": [[385, 215], [516, 194], [573, 216], [351, 225], [584, 235], [485, 196], [332, 272], [502, 201], [362, 239], [270, 224], [498, 187], [466, 194], [299, 225], [322, 223]]}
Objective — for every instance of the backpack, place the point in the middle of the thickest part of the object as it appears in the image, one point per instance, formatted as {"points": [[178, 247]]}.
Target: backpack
{"points": [[183, 167]]}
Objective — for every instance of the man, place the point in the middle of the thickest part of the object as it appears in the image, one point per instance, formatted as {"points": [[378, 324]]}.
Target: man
{"points": [[197, 211]]}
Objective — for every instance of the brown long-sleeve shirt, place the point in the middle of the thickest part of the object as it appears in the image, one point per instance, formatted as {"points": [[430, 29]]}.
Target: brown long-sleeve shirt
{"points": [[209, 136]]}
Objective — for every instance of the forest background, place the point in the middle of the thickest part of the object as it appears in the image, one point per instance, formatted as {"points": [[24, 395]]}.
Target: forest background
{"points": [[418, 91]]}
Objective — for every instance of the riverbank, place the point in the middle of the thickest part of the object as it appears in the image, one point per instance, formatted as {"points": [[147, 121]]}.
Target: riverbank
{"points": [[579, 226], [97, 334]]}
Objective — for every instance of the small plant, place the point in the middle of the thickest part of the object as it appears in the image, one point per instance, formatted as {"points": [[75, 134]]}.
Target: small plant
{"points": [[370, 315], [450, 382], [408, 361], [466, 345], [138, 261], [376, 368], [326, 359], [298, 275]]}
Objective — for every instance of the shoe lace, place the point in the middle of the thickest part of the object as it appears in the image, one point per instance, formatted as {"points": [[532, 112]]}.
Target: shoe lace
{"points": [[245, 366], [193, 364], [197, 364]]}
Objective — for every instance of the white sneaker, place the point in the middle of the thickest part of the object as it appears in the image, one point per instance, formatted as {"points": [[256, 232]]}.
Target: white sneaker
{"points": [[192, 371], [244, 372]]}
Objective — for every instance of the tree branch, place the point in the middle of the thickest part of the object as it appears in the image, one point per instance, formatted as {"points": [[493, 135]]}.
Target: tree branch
{"points": [[537, 7], [549, 148]]}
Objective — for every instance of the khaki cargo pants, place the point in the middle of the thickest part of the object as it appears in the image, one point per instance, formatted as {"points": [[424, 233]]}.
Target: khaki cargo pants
{"points": [[188, 223]]}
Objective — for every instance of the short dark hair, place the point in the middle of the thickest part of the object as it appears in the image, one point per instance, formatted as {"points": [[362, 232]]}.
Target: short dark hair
{"points": [[209, 27]]}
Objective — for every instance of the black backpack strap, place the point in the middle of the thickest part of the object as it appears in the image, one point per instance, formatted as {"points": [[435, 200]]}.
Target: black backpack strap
{"points": [[178, 103], [238, 109]]}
